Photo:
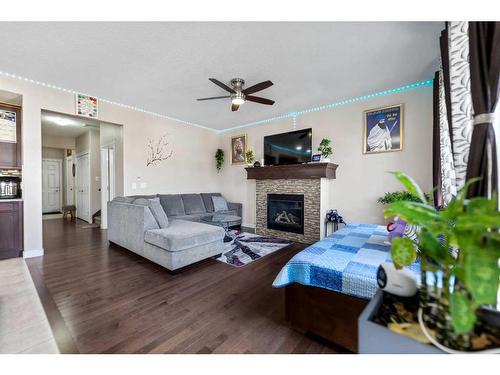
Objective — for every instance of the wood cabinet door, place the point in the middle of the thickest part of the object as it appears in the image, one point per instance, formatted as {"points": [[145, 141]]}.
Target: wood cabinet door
{"points": [[11, 233], [10, 152]]}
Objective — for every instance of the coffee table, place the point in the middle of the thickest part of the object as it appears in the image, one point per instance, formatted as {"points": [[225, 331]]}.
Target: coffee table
{"points": [[221, 220]]}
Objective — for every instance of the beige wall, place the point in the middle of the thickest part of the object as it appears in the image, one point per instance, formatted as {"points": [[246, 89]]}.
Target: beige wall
{"points": [[191, 167], [360, 178]]}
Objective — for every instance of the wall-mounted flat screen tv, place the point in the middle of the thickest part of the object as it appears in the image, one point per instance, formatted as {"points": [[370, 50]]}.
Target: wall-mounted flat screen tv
{"points": [[288, 148]]}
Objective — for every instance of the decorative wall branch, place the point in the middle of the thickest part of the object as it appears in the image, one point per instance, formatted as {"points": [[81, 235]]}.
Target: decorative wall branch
{"points": [[158, 151]]}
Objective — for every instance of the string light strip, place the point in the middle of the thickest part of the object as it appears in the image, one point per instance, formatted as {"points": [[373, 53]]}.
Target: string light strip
{"points": [[155, 114], [292, 115]]}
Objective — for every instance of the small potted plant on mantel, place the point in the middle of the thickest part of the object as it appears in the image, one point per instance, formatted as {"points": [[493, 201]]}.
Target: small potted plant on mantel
{"points": [[325, 149], [250, 158], [461, 245]]}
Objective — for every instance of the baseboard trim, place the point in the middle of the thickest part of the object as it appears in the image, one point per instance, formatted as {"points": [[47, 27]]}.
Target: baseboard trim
{"points": [[33, 253], [247, 229]]}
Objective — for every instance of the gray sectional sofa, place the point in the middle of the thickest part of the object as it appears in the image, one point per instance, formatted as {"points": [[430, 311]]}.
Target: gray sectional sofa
{"points": [[182, 241]]}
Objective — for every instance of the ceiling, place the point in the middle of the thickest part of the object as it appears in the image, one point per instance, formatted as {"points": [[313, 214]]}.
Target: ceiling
{"points": [[164, 66], [60, 125]]}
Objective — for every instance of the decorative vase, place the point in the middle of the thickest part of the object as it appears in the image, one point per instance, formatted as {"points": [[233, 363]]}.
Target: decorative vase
{"points": [[325, 160]]}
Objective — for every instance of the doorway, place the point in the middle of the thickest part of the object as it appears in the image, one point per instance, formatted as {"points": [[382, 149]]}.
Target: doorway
{"points": [[51, 186]]}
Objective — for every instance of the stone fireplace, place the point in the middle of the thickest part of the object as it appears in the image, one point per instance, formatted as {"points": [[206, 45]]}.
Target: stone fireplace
{"points": [[292, 200]]}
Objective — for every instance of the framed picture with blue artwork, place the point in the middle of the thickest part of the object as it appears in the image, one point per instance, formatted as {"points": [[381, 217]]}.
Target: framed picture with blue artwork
{"points": [[383, 129]]}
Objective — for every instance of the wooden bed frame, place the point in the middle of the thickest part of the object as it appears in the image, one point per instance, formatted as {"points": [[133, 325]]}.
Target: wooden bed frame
{"points": [[330, 315]]}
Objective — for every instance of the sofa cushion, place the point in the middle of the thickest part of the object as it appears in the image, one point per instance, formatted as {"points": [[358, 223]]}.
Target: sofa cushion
{"points": [[220, 204], [172, 204], [123, 199], [207, 200], [182, 234], [143, 196], [193, 204]]}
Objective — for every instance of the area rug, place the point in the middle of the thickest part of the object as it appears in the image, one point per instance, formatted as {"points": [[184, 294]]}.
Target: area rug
{"points": [[247, 247]]}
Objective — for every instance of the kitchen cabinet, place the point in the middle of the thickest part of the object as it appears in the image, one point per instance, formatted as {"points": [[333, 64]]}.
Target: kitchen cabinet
{"points": [[11, 229], [10, 151]]}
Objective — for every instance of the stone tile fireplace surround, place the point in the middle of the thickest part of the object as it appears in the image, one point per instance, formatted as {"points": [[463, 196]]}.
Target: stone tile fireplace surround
{"points": [[314, 181]]}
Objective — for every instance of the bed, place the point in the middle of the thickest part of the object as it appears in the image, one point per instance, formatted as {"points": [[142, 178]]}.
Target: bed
{"points": [[328, 284]]}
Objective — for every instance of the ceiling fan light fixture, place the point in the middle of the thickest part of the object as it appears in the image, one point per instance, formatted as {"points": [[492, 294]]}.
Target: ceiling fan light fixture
{"points": [[237, 101], [238, 98]]}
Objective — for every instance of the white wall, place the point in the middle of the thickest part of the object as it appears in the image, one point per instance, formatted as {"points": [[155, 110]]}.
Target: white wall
{"points": [[191, 167], [52, 153], [361, 179], [53, 141]]}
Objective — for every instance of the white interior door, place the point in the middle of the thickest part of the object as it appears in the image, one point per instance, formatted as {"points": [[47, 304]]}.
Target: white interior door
{"points": [[51, 185], [70, 181], [82, 187], [107, 182]]}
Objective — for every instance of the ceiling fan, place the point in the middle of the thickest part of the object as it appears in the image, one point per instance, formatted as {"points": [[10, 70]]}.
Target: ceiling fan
{"points": [[239, 95]]}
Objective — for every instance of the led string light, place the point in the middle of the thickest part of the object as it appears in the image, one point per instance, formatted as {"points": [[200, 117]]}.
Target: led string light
{"points": [[292, 115], [155, 114], [324, 107]]}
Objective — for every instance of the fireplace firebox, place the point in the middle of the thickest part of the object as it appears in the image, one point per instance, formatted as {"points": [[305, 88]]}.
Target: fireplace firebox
{"points": [[285, 212]]}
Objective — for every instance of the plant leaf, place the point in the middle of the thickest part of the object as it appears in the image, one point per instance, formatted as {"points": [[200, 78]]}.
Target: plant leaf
{"points": [[462, 313], [403, 252], [431, 247], [481, 272], [480, 222], [413, 212], [410, 184]]}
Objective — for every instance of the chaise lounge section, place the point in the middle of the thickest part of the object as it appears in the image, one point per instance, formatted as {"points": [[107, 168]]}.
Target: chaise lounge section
{"points": [[181, 241]]}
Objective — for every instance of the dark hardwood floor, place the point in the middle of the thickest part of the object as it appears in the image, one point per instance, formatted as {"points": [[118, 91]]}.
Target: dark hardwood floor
{"points": [[101, 298]]}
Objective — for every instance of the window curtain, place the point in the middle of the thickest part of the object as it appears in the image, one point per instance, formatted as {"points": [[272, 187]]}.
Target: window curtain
{"points": [[436, 145], [448, 181], [460, 97], [484, 49]]}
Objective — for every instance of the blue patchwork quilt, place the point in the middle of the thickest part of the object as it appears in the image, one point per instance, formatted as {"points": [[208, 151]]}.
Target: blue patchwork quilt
{"points": [[345, 262]]}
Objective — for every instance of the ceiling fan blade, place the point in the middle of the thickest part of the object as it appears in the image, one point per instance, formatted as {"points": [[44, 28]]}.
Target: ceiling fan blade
{"points": [[258, 99], [222, 85], [214, 97], [257, 87], [234, 107]]}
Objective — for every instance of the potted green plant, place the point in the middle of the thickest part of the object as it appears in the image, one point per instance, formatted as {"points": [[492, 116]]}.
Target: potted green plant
{"points": [[250, 157], [398, 196], [470, 276], [325, 149], [219, 159]]}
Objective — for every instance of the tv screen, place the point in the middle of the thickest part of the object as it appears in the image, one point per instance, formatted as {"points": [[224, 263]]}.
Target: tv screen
{"points": [[288, 148]]}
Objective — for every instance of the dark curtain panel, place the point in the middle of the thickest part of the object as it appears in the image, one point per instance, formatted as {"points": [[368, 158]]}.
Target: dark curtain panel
{"points": [[484, 46], [445, 61], [436, 146]]}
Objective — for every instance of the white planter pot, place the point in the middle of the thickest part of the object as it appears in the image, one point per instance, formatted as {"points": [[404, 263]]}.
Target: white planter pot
{"points": [[325, 160]]}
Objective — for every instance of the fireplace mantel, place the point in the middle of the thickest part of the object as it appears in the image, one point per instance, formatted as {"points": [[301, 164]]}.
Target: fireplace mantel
{"points": [[293, 171]]}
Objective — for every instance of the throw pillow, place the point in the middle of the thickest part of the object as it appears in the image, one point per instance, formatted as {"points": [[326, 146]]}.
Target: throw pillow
{"points": [[156, 209], [158, 212], [220, 204]]}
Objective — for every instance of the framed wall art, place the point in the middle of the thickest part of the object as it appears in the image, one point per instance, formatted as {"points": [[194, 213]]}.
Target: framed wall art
{"points": [[238, 149], [383, 129]]}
